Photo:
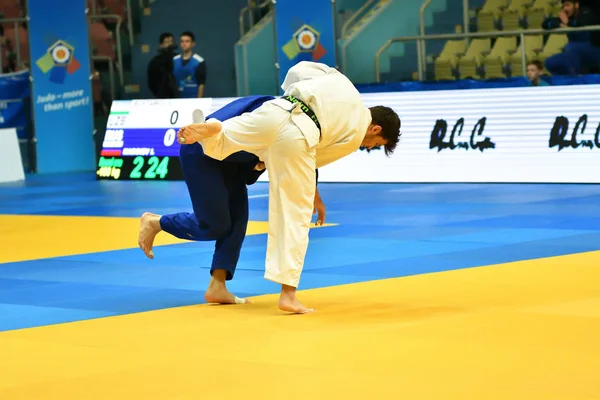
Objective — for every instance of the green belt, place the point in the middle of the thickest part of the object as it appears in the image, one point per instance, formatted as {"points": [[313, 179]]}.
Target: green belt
{"points": [[304, 109]]}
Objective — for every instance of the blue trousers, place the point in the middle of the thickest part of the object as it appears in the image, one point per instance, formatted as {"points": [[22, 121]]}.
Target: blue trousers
{"points": [[220, 204], [575, 55], [219, 195]]}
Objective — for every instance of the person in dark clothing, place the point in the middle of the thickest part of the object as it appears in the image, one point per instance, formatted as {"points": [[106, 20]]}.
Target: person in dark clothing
{"points": [[580, 52], [161, 80], [594, 6]]}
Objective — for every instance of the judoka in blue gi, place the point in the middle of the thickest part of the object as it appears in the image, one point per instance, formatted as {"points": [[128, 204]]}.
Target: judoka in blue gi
{"points": [[219, 195]]}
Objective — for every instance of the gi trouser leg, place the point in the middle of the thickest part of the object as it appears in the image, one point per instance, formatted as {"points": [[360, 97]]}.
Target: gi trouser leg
{"points": [[269, 133], [220, 203]]}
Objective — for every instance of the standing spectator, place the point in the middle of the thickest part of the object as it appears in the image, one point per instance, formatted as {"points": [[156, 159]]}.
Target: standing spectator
{"points": [[190, 68], [534, 73], [580, 52], [161, 80]]}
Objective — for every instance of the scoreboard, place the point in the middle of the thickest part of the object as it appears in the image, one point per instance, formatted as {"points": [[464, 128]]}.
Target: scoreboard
{"points": [[141, 137]]}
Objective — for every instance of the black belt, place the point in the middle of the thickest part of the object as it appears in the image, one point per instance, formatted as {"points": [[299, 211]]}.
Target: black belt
{"points": [[304, 109]]}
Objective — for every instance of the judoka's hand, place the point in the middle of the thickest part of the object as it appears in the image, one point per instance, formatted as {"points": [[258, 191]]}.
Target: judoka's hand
{"points": [[319, 207]]}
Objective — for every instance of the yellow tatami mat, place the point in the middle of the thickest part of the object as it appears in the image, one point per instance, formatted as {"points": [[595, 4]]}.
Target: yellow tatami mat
{"points": [[524, 330], [31, 237], [57, 236]]}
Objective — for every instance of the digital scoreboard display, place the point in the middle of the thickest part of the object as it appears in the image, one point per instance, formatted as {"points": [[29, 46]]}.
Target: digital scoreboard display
{"points": [[141, 137]]}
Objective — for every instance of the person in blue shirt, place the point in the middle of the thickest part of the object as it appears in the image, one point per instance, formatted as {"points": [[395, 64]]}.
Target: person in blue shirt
{"points": [[534, 73], [189, 68], [581, 51]]}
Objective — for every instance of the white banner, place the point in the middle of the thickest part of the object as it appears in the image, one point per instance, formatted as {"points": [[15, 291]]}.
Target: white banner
{"points": [[531, 134], [527, 134]]}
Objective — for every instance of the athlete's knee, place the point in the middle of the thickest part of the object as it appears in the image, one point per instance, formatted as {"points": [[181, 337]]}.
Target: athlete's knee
{"points": [[215, 230]]}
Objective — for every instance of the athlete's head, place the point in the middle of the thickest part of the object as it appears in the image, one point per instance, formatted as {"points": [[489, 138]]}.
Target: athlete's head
{"points": [[187, 41], [383, 131]]}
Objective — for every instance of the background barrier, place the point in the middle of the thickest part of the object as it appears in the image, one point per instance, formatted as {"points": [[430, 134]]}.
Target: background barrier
{"points": [[537, 134], [11, 163]]}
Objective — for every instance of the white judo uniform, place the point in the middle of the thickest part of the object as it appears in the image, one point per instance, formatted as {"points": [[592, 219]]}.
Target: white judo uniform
{"points": [[292, 147]]}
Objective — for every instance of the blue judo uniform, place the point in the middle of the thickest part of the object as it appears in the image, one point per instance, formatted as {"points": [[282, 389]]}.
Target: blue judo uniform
{"points": [[219, 194]]}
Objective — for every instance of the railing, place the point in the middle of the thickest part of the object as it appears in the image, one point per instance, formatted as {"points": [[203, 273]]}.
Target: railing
{"points": [[421, 44], [243, 12], [129, 17], [422, 47], [354, 16], [129, 22], [248, 10], [119, 62], [111, 73], [16, 39], [422, 38]]}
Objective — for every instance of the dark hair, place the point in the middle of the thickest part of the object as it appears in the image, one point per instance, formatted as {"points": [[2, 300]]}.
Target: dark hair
{"points": [[164, 36], [188, 34], [390, 126], [537, 63]]}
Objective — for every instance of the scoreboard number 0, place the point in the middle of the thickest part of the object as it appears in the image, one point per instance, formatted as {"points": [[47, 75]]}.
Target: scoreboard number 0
{"points": [[169, 138], [174, 117], [157, 167]]}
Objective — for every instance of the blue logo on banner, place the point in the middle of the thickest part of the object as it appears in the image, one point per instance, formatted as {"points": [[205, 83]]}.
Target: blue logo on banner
{"points": [[59, 61], [304, 33]]}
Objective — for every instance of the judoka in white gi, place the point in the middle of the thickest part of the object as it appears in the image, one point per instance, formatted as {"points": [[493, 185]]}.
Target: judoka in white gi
{"points": [[321, 118]]}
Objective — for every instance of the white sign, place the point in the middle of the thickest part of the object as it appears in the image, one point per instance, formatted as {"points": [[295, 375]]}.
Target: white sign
{"points": [[528, 134], [11, 164]]}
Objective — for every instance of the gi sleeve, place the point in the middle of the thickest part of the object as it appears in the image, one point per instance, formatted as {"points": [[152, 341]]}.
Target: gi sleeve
{"points": [[334, 152]]}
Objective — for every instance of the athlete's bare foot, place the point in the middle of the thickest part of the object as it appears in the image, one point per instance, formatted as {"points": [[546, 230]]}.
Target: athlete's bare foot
{"points": [[217, 291], [196, 132], [149, 228], [289, 303]]}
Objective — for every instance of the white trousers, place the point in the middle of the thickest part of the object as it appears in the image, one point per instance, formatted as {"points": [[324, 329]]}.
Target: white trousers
{"points": [[269, 133]]}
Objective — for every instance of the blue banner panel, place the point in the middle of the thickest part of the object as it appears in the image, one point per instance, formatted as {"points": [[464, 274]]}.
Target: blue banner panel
{"points": [[62, 91], [14, 93], [305, 32]]}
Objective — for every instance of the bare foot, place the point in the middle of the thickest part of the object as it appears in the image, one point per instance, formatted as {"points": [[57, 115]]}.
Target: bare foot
{"points": [[197, 132], [149, 228], [289, 303], [220, 295], [217, 290]]}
